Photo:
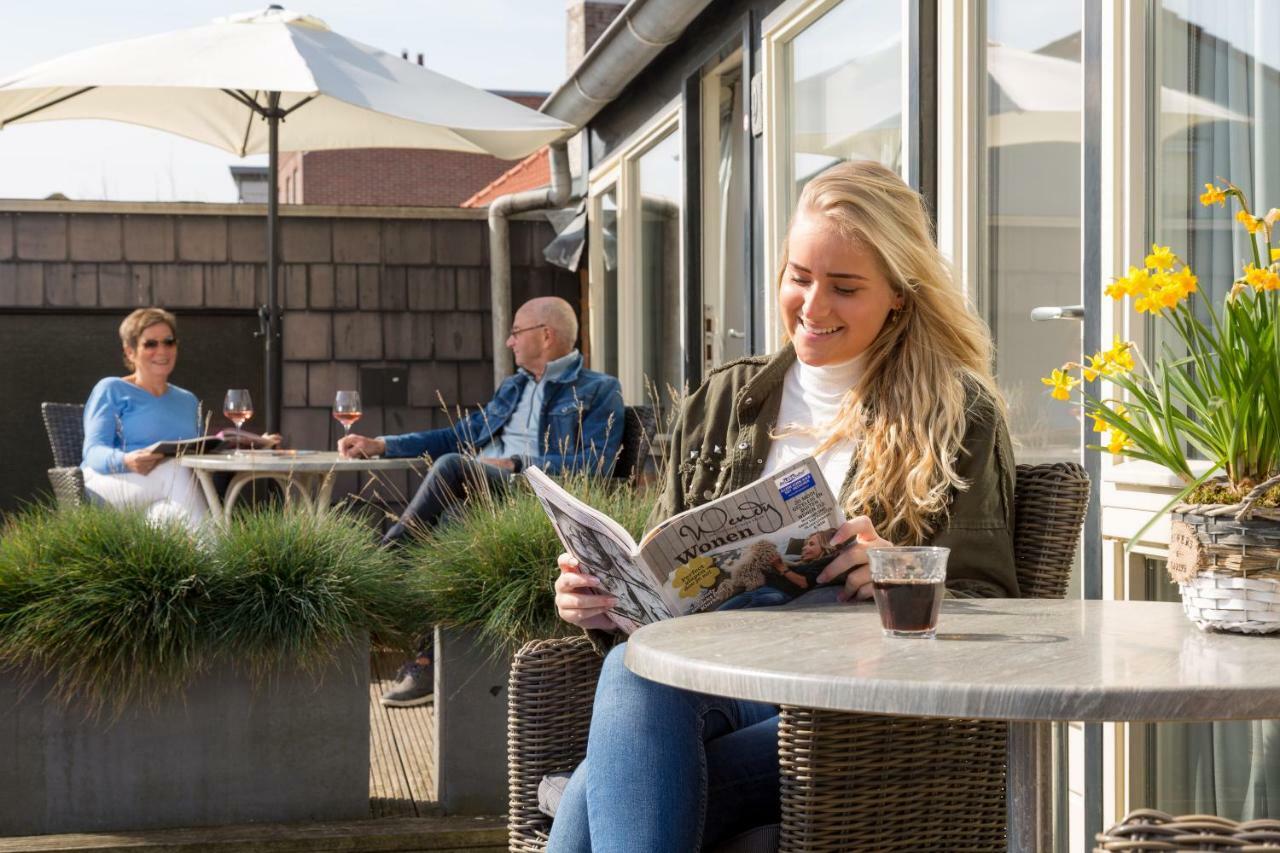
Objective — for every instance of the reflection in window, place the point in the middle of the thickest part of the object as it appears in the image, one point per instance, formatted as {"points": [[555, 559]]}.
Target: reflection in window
{"points": [[1033, 212], [1219, 118], [660, 179], [1228, 769], [845, 89], [606, 235], [726, 283], [1218, 64]]}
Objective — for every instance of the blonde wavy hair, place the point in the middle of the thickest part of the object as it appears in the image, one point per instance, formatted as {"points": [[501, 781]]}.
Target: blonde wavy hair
{"points": [[929, 364]]}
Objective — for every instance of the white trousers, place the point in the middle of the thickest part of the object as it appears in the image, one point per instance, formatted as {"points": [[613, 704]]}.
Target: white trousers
{"points": [[170, 493]]}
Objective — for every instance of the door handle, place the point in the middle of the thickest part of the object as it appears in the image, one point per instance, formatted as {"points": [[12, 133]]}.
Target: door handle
{"points": [[1057, 312]]}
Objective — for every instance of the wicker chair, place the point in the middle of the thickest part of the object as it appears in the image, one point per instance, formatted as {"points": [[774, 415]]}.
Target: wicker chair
{"points": [[1147, 830], [929, 785], [65, 424]]}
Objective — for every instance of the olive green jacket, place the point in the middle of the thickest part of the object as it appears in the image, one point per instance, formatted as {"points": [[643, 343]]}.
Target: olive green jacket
{"points": [[721, 441]]}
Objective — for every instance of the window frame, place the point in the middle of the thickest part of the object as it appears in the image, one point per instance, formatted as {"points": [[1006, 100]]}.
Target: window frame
{"points": [[621, 170]]}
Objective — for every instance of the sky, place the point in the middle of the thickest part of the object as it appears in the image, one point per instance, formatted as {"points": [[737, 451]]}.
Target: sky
{"points": [[491, 44]]}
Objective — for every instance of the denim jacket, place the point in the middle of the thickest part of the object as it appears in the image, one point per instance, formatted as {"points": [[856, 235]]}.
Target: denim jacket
{"points": [[580, 424]]}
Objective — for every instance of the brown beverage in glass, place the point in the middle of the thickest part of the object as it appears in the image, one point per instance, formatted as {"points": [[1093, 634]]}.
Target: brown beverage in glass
{"points": [[908, 605]]}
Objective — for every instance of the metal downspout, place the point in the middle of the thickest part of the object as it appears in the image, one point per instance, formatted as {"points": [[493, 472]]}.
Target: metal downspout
{"points": [[500, 211]]}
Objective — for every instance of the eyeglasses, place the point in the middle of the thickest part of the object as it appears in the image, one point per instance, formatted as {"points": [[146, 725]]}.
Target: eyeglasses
{"points": [[517, 332], [151, 343]]}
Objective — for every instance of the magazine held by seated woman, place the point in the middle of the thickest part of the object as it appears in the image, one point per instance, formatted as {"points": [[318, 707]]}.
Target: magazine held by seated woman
{"points": [[762, 545], [227, 439]]}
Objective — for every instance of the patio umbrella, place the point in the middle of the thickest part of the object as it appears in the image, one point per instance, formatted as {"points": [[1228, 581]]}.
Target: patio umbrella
{"points": [[263, 82]]}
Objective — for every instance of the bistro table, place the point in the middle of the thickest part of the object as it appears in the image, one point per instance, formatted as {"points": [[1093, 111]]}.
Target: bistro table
{"points": [[1028, 661], [307, 475]]}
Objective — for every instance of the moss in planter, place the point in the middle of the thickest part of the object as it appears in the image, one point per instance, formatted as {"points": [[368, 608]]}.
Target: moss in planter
{"points": [[116, 610], [492, 567], [1219, 492]]}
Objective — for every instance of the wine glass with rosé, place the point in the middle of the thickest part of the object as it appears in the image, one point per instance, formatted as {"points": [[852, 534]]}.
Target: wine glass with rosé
{"points": [[237, 406], [346, 409]]}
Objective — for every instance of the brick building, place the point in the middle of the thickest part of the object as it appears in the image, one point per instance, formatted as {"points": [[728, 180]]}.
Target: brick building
{"points": [[396, 177]]}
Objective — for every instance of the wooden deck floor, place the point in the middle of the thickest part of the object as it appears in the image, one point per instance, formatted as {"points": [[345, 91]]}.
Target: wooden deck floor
{"points": [[401, 750]]}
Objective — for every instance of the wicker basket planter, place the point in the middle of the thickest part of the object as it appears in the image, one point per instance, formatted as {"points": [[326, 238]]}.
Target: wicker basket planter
{"points": [[1226, 562]]}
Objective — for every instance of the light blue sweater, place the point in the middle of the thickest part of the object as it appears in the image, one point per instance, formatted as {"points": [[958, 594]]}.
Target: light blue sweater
{"points": [[121, 417]]}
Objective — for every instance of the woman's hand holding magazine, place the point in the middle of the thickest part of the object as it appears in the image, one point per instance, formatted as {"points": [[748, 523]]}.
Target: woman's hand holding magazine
{"points": [[579, 598]]}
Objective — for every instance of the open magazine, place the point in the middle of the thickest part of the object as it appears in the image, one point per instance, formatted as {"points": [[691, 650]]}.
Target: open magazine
{"points": [[227, 439], [761, 545]]}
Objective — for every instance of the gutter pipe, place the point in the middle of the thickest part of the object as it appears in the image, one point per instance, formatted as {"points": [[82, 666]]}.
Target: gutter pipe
{"points": [[500, 211], [642, 30]]}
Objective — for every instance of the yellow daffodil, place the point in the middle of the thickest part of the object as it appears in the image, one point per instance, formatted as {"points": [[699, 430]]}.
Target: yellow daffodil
{"points": [[1184, 281], [1275, 255], [1118, 441], [1120, 356], [1213, 195], [1161, 258], [1099, 425], [1250, 223], [1255, 277], [1118, 289], [1061, 382], [1270, 280], [1097, 364]]}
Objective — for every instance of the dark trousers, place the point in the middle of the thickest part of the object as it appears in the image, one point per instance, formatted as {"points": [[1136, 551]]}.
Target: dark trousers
{"points": [[453, 479]]}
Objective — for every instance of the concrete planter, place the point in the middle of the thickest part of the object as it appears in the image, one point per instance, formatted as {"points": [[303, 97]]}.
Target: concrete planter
{"points": [[471, 724], [294, 748]]}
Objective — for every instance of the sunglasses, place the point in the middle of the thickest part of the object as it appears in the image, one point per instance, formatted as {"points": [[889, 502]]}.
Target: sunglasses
{"points": [[151, 343]]}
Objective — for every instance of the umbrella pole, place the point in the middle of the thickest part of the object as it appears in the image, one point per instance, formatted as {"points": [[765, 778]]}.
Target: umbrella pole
{"points": [[274, 359]]}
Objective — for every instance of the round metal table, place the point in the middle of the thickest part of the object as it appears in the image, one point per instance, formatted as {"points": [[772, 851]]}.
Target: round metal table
{"points": [[1028, 661], [306, 476]]}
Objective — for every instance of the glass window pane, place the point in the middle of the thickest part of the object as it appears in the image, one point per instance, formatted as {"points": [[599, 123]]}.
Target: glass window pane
{"points": [[1230, 769], [1217, 116], [845, 89], [605, 352], [726, 285], [660, 178], [1032, 195]]}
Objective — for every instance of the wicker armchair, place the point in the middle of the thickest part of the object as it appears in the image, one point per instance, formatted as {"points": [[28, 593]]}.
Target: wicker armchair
{"points": [[930, 784], [65, 424], [1147, 830]]}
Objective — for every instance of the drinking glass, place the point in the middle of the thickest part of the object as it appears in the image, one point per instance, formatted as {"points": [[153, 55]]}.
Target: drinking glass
{"points": [[346, 409], [237, 406], [907, 584]]}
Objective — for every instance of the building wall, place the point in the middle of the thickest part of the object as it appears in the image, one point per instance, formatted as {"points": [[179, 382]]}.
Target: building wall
{"points": [[404, 177], [359, 289]]}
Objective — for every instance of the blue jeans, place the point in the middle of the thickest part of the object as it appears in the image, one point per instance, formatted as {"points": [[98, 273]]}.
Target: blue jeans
{"points": [[667, 769], [452, 478], [764, 596]]}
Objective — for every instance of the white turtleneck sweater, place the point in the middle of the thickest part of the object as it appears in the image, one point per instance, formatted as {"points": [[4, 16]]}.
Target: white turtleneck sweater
{"points": [[811, 396]]}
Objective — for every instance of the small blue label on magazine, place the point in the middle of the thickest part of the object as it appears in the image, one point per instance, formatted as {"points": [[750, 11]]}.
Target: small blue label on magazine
{"points": [[796, 486]]}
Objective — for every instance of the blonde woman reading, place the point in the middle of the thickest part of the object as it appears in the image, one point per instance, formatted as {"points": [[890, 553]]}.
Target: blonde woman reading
{"points": [[885, 378]]}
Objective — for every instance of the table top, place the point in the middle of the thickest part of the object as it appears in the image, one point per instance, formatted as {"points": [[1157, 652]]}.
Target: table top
{"points": [[302, 461], [1000, 659]]}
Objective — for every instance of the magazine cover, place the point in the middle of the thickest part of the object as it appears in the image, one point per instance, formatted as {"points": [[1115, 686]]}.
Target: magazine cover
{"points": [[759, 546]]}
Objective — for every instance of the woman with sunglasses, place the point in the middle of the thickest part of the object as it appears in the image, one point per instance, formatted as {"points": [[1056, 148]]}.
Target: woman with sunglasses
{"points": [[126, 414]]}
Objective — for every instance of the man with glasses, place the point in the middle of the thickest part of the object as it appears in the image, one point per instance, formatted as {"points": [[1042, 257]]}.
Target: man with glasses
{"points": [[553, 413]]}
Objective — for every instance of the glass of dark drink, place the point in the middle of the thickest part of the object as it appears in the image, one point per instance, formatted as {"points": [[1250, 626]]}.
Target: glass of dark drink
{"points": [[907, 584]]}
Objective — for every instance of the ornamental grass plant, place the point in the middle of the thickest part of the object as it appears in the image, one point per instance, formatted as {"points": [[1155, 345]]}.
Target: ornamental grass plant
{"points": [[116, 610], [491, 568], [1214, 388]]}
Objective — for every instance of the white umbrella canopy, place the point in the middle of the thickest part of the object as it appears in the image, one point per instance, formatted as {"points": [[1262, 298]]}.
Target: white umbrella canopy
{"points": [[270, 81], [336, 92]]}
